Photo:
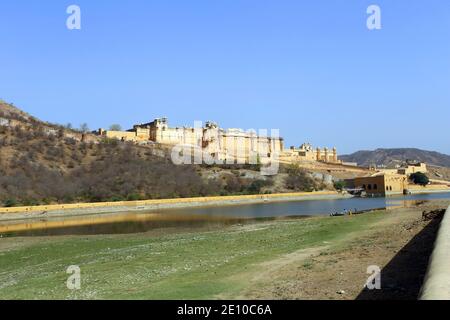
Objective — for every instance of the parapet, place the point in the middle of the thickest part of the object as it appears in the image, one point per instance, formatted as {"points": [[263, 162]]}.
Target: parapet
{"points": [[437, 281]]}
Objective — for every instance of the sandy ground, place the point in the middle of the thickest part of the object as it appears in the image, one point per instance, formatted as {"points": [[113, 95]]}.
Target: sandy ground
{"points": [[400, 245]]}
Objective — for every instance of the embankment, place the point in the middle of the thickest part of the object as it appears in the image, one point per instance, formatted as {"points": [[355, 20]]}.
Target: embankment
{"points": [[416, 189], [148, 205]]}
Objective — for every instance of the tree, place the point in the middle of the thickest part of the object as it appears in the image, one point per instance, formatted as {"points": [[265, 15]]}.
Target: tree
{"points": [[84, 128], [419, 178], [10, 203], [256, 186], [68, 126], [339, 185], [115, 127]]}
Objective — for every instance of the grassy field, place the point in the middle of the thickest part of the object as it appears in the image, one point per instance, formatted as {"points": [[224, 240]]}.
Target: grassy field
{"points": [[190, 265]]}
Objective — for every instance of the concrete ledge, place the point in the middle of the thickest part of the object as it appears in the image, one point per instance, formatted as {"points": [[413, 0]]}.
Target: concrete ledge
{"points": [[437, 281]]}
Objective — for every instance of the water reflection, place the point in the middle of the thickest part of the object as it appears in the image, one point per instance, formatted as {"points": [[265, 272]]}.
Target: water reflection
{"points": [[309, 207], [122, 223], [189, 218]]}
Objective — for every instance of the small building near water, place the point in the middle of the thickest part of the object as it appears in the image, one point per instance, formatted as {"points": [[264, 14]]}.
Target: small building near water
{"points": [[382, 184]]}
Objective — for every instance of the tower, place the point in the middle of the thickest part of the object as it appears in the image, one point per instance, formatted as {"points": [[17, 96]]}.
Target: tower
{"points": [[335, 157]]}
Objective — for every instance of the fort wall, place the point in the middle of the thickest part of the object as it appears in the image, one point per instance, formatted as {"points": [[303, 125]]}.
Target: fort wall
{"points": [[234, 144]]}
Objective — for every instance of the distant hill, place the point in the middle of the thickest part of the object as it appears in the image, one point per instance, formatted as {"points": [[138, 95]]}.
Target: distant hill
{"points": [[390, 157]]}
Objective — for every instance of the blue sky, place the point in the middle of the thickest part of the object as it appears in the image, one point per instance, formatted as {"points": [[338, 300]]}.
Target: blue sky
{"points": [[309, 68]]}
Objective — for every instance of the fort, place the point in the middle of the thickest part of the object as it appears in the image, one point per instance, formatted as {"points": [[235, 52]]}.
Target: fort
{"points": [[221, 143], [306, 152]]}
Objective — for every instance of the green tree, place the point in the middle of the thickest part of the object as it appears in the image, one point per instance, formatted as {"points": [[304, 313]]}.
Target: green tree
{"points": [[419, 178], [339, 185]]}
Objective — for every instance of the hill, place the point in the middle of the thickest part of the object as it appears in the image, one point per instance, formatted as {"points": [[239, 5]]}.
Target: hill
{"points": [[390, 157], [44, 163]]}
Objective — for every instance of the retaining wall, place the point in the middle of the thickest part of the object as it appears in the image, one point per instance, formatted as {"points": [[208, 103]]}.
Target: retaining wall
{"points": [[164, 203], [437, 281]]}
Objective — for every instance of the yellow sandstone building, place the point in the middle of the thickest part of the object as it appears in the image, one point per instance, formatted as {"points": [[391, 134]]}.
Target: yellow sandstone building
{"points": [[219, 143], [381, 184], [390, 181], [306, 152]]}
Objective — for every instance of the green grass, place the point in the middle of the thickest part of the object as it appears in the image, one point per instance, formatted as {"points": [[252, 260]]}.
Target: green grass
{"points": [[198, 265]]}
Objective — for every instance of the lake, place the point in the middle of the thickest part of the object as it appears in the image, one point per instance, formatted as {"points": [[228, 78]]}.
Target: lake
{"points": [[190, 218]]}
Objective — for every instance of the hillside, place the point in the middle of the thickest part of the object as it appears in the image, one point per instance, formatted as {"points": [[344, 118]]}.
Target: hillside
{"points": [[44, 163], [391, 157]]}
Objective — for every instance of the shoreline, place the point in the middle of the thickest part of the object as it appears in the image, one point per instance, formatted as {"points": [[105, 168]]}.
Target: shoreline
{"points": [[418, 191], [67, 210], [100, 208]]}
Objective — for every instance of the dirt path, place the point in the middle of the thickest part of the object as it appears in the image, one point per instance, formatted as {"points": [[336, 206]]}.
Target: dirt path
{"points": [[400, 245]]}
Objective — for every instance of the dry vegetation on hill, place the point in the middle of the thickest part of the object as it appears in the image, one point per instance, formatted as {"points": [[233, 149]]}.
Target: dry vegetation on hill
{"points": [[43, 163], [36, 168]]}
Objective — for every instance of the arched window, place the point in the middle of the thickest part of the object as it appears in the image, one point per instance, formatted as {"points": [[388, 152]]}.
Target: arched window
{"points": [[390, 188], [369, 187], [364, 186], [387, 188], [375, 187]]}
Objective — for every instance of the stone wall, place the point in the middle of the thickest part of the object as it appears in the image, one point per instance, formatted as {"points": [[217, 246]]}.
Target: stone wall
{"points": [[437, 281]]}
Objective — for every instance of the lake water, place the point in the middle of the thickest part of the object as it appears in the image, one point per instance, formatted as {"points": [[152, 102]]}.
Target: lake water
{"points": [[309, 207], [189, 218]]}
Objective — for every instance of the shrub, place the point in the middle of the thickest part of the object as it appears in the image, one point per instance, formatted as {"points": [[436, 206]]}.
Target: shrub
{"points": [[339, 185], [10, 203], [419, 178], [256, 186], [299, 180], [133, 197]]}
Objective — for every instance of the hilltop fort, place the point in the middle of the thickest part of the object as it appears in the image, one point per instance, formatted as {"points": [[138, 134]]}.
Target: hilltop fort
{"points": [[221, 143]]}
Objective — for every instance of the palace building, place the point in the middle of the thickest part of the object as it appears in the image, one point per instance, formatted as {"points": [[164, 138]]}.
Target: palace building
{"points": [[306, 152], [220, 143]]}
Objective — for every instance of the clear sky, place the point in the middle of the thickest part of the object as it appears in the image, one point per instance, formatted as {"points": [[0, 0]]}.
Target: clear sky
{"points": [[310, 68]]}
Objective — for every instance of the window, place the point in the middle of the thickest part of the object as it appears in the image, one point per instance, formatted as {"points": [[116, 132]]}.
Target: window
{"points": [[387, 188], [369, 187], [364, 186], [375, 187]]}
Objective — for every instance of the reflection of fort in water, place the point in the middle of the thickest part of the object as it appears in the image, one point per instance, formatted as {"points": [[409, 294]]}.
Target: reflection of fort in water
{"points": [[189, 218]]}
